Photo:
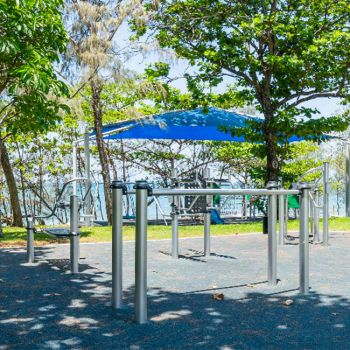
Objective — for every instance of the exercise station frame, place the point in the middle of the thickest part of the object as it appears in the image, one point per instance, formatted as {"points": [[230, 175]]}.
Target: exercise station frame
{"points": [[143, 191]]}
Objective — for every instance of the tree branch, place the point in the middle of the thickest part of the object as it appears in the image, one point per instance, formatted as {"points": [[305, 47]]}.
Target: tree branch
{"points": [[317, 95]]}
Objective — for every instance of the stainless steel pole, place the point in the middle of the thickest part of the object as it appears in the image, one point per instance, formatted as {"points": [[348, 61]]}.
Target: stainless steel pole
{"points": [[347, 180], [281, 203], [312, 215], [207, 222], [207, 215], [175, 228], [272, 235], [317, 216], [74, 234], [118, 189], [175, 219], [30, 240], [304, 238], [88, 205], [74, 167], [325, 204], [286, 218], [141, 252]]}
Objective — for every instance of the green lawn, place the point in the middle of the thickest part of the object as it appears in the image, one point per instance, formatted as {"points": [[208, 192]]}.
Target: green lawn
{"points": [[17, 236]]}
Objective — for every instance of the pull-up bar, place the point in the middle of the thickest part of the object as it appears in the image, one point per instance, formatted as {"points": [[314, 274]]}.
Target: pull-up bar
{"points": [[143, 190]]}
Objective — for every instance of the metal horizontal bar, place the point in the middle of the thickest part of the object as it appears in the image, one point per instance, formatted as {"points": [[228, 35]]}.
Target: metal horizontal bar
{"points": [[222, 192]]}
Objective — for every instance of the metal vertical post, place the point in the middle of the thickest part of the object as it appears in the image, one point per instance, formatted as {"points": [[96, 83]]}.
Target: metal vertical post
{"points": [[207, 222], [74, 234], [142, 190], [74, 167], [30, 240], [347, 180], [245, 204], [207, 215], [304, 238], [286, 218], [175, 220], [175, 228], [272, 235], [88, 205], [325, 203], [311, 215], [281, 219], [1, 231], [118, 189], [317, 216]]}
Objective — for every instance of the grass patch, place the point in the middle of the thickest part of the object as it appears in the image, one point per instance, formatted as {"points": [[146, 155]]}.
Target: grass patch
{"points": [[17, 236]]}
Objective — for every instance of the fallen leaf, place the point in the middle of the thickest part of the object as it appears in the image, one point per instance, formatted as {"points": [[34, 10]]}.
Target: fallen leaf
{"points": [[288, 302], [250, 285], [218, 296]]}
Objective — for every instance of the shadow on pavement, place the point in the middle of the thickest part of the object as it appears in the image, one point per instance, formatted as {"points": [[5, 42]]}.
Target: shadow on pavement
{"points": [[44, 307]]}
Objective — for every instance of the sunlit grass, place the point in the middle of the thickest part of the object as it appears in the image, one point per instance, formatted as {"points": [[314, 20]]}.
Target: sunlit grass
{"points": [[17, 236]]}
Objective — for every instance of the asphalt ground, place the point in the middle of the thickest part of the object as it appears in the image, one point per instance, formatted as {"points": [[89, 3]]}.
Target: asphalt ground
{"points": [[43, 306]]}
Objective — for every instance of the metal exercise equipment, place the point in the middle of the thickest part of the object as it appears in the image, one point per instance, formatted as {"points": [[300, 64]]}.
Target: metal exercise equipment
{"points": [[118, 190], [347, 179], [282, 218], [315, 206], [325, 204], [87, 202], [143, 191], [304, 239], [272, 235], [72, 233], [194, 205]]}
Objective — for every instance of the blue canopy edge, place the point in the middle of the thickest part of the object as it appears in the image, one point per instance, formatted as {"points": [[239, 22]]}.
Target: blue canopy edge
{"points": [[196, 125], [181, 125]]}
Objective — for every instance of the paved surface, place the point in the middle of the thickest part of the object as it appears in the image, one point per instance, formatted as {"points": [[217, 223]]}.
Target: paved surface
{"points": [[42, 306]]}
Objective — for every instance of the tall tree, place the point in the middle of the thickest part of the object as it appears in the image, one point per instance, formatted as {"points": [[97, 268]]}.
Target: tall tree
{"points": [[31, 37], [98, 57], [280, 54]]}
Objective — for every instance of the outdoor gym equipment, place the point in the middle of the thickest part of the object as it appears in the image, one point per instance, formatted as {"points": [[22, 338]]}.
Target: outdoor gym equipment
{"points": [[193, 205], [316, 206], [143, 190], [59, 233]]}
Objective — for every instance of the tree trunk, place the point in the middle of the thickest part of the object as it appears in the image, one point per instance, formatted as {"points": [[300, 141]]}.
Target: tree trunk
{"points": [[97, 110], [273, 165], [11, 184]]}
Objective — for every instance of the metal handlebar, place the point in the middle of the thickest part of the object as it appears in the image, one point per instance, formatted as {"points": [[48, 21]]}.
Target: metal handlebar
{"points": [[58, 201]]}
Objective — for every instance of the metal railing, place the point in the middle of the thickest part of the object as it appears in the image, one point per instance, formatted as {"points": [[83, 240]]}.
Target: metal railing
{"points": [[143, 190]]}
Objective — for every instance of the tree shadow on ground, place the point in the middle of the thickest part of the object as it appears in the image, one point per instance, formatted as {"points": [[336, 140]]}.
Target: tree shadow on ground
{"points": [[45, 307]]}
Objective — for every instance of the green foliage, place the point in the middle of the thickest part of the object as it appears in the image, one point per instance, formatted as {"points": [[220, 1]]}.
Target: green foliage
{"points": [[244, 161], [31, 38], [280, 54], [174, 99], [301, 157], [158, 70]]}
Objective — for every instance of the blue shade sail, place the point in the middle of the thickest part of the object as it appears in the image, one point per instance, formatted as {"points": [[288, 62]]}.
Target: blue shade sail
{"points": [[182, 125]]}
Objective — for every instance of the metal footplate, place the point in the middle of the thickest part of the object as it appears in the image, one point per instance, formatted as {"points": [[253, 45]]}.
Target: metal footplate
{"points": [[58, 232]]}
